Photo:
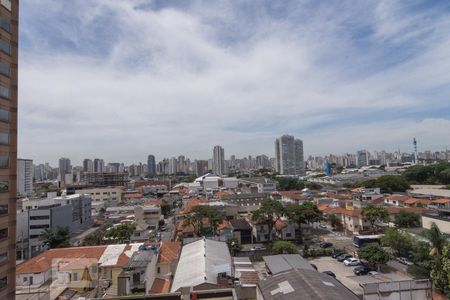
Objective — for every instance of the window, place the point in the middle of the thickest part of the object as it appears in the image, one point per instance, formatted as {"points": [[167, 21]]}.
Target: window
{"points": [[3, 257], [4, 186], [75, 276], [39, 226], [4, 115], [4, 91], [6, 4], [159, 270], [5, 69], [4, 161], [3, 233], [5, 46], [34, 236], [3, 209], [4, 138], [39, 217], [4, 24], [25, 279]]}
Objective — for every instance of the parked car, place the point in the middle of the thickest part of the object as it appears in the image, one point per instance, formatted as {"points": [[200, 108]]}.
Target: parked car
{"points": [[404, 261], [362, 270], [373, 273], [163, 228], [323, 226], [337, 254], [352, 262], [344, 257], [329, 273], [257, 248], [325, 245]]}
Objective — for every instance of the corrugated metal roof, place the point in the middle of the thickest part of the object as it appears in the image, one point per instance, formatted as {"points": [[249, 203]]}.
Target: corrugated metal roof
{"points": [[285, 262]]}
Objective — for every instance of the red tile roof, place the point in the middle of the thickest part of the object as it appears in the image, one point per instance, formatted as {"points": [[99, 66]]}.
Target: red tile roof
{"points": [[441, 201], [191, 203], [399, 198], [169, 252], [160, 286], [293, 195], [280, 225]]}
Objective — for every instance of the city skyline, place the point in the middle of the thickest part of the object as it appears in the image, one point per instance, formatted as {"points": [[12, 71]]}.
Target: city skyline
{"points": [[340, 76]]}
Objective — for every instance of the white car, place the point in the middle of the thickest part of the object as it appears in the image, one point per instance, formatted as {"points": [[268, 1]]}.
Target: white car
{"points": [[404, 261], [352, 262], [373, 273]]}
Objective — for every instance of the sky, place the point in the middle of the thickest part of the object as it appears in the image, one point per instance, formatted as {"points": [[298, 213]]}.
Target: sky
{"points": [[119, 79]]}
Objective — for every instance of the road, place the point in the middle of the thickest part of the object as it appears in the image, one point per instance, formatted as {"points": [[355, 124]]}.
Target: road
{"points": [[166, 236]]}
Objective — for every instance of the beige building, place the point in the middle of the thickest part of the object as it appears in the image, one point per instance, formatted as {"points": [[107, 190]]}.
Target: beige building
{"points": [[108, 194]]}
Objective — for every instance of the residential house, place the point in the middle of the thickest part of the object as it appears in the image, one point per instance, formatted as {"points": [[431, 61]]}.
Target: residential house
{"points": [[285, 230], [242, 230]]}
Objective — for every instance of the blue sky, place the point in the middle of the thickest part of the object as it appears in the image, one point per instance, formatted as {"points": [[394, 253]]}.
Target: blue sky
{"points": [[123, 79]]}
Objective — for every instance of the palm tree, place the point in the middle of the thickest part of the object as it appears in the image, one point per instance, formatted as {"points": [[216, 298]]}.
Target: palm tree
{"points": [[436, 238]]}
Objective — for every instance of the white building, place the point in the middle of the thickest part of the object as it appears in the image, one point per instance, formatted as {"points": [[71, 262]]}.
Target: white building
{"points": [[107, 194], [289, 156], [218, 161], [24, 177]]}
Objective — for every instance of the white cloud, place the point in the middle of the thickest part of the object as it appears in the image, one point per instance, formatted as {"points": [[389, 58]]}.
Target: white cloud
{"points": [[168, 82]]}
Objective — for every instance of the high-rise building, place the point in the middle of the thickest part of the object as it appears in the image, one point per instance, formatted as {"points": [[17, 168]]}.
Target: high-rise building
{"points": [[24, 177], [64, 167], [9, 22], [218, 161], [289, 156], [99, 165], [88, 165], [362, 158], [151, 166]]}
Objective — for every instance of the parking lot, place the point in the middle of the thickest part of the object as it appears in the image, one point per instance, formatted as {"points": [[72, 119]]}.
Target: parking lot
{"points": [[342, 272]]}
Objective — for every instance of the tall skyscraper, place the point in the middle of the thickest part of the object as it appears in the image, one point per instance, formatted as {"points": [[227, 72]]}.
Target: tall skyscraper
{"points": [[9, 20], [64, 167], [362, 158], [218, 161], [88, 165], [24, 177], [289, 156], [151, 166], [99, 165]]}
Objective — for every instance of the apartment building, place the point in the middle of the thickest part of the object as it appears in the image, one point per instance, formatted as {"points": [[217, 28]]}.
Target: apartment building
{"points": [[107, 194], [9, 16], [24, 177]]}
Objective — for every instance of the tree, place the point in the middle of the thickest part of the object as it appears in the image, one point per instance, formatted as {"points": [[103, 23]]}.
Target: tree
{"points": [[407, 219], [374, 255], [269, 213], [313, 213], [375, 214], [436, 238], [388, 183], [400, 242], [334, 221], [92, 240], [423, 262], [284, 247], [165, 209], [121, 232], [441, 270], [234, 245], [59, 238], [200, 213], [313, 186], [288, 183]]}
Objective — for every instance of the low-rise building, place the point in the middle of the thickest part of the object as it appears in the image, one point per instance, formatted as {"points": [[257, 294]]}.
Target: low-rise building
{"points": [[258, 185], [111, 195], [212, 263]]}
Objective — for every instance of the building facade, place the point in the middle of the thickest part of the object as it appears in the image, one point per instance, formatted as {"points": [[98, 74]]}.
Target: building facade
{"points": [[8, 143], [218, 166], [151, 166], [289, 156], [24, 177]]}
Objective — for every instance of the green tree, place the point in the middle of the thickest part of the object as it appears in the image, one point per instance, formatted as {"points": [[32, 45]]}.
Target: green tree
{"points": [[269, 213], [313, 186], [334, 221], [234, 245], [388, 183], [430, 174], [59, 238], [402, 243], [288, 183], [423, 262], [313, 213], [374, 255], [198, 214], [407, 219], [121, 232], [92, 240], [284, 247], [375, 214], [436, 238]]}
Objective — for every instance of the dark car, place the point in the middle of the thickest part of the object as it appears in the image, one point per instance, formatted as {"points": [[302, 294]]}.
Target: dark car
{"points": [[329, 273], [343, 257], [362, 270], [325, 245], [337, 254]]}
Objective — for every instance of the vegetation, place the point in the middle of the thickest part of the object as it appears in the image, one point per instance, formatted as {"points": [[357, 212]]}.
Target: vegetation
{"points": [[234, 245], [306, 213], [430, 174], [92, 240], [375, 214], [59, 238], [313, 186], [284, 247], [374, 255], [121, 232], [334, 221], [387, 183], [200, 213], [288, 183], [436, 238], [406, 219], [165, 209], [401, 242], [269, 213]]}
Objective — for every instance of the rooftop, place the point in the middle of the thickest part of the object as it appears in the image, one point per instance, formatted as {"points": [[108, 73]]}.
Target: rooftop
{"points": [[285, 262]]}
